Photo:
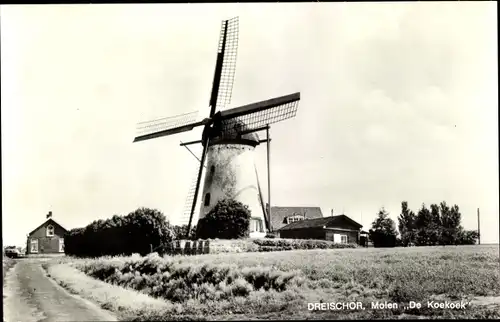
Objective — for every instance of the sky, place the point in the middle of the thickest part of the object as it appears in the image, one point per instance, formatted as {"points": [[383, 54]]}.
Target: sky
{"points": [[399, 102]]}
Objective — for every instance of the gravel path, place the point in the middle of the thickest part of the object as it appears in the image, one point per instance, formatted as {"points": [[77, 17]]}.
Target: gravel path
{"points": [[29, 295]]}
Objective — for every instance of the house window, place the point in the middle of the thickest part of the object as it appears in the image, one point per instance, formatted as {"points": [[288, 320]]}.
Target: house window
{"points": [[256, 225], [338, 238], [295, 218], [50, 231], [207, 199], [34, 246], [61, 245]]}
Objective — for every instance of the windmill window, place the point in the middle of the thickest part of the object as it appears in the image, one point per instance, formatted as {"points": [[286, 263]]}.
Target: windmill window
{"points": [[50, 231], [212, 169], [207, 199]]}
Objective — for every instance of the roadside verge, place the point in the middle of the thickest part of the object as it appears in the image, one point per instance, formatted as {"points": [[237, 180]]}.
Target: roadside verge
{"points": [[127, 304]]}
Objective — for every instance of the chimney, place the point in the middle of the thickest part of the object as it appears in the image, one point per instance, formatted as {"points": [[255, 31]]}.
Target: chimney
{"points": [[49, 214], [332, 212]]}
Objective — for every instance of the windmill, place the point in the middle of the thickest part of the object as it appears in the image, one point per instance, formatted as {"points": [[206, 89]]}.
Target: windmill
{"points": [[229, 137]]}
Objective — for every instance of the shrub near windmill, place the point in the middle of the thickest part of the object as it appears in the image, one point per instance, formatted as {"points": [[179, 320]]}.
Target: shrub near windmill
{"points": [[229, 136]]}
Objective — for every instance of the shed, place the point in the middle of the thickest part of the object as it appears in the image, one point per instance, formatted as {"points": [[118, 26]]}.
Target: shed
{"points": [[340, 229]]}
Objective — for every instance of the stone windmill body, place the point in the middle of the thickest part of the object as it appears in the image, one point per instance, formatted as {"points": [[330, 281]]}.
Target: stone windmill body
{"points": [[229, 138]]}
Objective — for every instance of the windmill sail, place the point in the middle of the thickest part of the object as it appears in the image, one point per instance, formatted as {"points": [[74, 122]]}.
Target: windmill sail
{"points": [[194, 163], [167, 126], [228, 61], [255, 116], [225, 65], [222, 87], [189, 200]]}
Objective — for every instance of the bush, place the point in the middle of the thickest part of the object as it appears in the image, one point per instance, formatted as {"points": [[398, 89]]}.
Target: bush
{"points": [[178, 282], [138, 232], [382, 239], [180, 232], [229, 219]]}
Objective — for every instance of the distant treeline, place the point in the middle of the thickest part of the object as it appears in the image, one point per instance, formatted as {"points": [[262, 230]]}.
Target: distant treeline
{"points": [[437, 225]]}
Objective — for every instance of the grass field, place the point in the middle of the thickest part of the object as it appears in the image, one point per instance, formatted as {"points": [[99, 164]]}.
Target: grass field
{"points": [[279, 285]]}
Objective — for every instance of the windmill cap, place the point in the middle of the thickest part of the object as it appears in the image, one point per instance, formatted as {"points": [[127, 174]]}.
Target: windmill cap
{"points": [[232, 133]]}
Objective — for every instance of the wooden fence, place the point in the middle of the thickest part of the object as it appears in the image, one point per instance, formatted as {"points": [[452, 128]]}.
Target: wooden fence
{"points": [[187, 247]]}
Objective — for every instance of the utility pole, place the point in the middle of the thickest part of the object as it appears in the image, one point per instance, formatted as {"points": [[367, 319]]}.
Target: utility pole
{"points": [[268, 173], [478, 229]]}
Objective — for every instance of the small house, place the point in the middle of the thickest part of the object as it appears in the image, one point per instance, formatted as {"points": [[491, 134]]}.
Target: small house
{"points": [[340, 229], [282, 216], [48, 238]]}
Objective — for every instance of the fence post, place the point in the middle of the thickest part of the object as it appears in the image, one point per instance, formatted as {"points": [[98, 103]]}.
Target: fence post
{"points": [[199, 247], [207, 247]]}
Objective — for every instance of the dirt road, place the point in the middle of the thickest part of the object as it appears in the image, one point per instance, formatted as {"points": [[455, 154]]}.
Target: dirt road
{"points": [[29, 295]]}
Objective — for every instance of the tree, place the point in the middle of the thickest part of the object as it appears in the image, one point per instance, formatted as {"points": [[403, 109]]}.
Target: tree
{"points": [[407, 225], [228, 219], [434, 227], [468, 237], [147, 228], [423, 222], [450, 224], [383, 232]]}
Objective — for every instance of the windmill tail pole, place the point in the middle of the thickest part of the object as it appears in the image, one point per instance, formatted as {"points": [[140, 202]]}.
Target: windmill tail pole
{"points": [[264, 210], [268, 175]]}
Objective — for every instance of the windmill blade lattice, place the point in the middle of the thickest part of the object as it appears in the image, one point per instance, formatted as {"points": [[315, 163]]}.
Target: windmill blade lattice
{"points": [[194, 163], [165, 123], [228, 62], [189, 199], [258, 115]]}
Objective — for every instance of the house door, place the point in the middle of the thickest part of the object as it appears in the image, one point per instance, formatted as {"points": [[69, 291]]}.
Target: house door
{"points": [[329, 235]]}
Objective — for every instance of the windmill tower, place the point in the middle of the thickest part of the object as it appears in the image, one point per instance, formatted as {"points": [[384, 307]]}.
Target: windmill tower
{"points": [[229, 137]]}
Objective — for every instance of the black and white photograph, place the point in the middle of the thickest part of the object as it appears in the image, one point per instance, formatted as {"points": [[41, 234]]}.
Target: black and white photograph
{"points": [[250, 161]]}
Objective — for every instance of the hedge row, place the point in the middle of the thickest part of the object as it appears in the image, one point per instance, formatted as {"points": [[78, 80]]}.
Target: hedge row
{"points": [[293, 244], [138, 232], [217, 246]]}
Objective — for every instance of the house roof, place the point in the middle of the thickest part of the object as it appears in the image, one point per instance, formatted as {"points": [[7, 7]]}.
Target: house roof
{"points": [[320, 222], [279, 214], [45, 222]]}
